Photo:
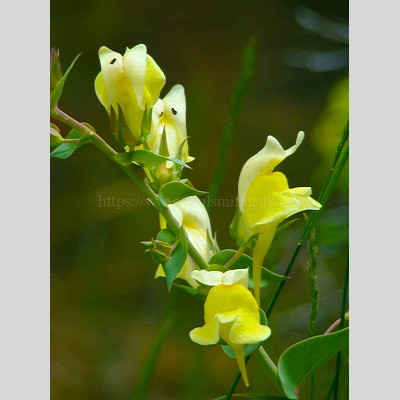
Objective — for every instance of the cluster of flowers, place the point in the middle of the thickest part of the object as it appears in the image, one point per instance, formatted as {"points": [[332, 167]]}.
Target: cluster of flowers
{"points": [[129, 87]]}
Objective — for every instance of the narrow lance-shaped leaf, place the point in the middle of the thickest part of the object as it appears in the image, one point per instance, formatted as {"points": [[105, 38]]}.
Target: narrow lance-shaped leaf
{"points": [[304, 357], [172, 192], [145, 158], [177, 260], [66, 150], [59, 86]]}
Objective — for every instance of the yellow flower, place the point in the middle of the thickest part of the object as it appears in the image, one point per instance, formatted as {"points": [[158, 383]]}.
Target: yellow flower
{"points": [[192, 215], [128, 83], [230, 313], [265, 200], [168, 133]]}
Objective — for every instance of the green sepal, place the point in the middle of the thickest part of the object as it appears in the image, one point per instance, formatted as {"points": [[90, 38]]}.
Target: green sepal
{"points": [[158, 256], [147, 243], [66, 150], [163, 148], [172, 192], [212, 242], [55, 68], [145, 127], [119, 128], [144, 158], [180, 149], [234, 227], [248, 348], [55, 136], [301, 359], [234, 231], [244, 261], [59, 86], [162, 246]]}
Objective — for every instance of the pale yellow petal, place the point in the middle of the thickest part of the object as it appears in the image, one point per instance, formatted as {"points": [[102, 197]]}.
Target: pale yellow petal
{"points": [[101, 91], [240, 276], [264, 162], [112, 72], [176, 213], [135, 70], [195, 214], [154, 82], [206, 335], [210, 278], [305, 202]]}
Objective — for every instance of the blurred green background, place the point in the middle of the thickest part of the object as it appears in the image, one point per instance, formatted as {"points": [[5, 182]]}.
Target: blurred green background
{"points": [[106, 306]]}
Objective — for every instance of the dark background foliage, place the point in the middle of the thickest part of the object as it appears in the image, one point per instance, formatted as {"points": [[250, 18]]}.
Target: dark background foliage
{"points": [[106, 306]]}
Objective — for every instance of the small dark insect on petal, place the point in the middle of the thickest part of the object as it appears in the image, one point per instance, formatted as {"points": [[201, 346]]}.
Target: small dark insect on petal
{"points": [[174, 111], [162, 113], [113, 61]]}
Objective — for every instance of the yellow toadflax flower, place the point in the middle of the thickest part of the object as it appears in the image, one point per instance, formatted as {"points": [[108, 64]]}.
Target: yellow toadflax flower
{"points": [[230, 313], [191, 213], [265, 200], [168, 135], [128, 84]]}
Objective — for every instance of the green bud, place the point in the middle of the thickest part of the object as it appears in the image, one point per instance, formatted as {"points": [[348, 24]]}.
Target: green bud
{"points": [[55, 137], [55, 68], [120, 128]]}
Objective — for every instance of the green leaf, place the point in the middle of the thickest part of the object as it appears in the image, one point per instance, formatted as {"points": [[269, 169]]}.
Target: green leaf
{"points": [[244, 261], [177, 260], [253, 396], [145, 158], [166, 235], [66, 150], [179, 162], [248, 348], [304, 357], [57, 91], [172, 192]]}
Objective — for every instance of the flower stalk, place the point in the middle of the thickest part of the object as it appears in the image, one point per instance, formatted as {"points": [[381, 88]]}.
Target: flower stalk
{"points": [[103, 146]]}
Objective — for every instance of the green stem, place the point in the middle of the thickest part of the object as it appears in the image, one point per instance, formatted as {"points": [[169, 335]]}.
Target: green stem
{"points": [[270, 366], [66, 140], [151, 362], [235, 257], [103, 146], [323, 199], [235, 382], [330, 182]]}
